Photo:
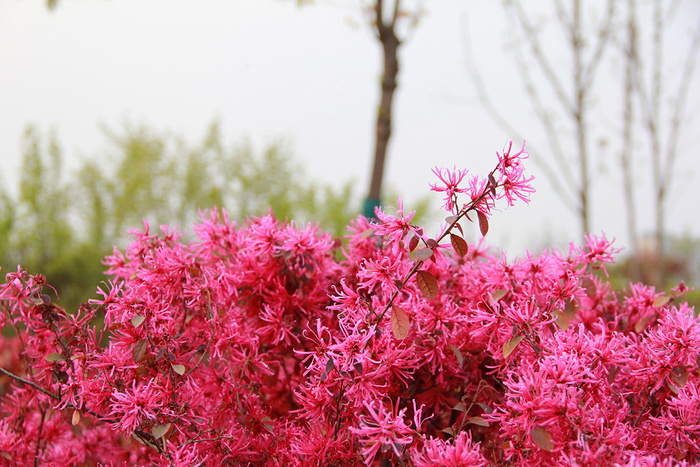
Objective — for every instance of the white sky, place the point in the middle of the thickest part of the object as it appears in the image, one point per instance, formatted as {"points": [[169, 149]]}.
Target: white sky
{"points": [[267, 69]]}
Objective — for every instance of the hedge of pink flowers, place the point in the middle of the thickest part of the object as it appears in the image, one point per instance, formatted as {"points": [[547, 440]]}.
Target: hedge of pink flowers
{"points": [[269, 344]]}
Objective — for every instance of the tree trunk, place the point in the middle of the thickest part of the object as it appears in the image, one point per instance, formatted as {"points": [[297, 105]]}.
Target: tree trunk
{"points": [[390, 44]]}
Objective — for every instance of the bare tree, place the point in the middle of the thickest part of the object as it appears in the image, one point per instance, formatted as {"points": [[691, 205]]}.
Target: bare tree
{"points": [[386, 34], [662, 126], [629, 49], [384, 19], [571, 89]]}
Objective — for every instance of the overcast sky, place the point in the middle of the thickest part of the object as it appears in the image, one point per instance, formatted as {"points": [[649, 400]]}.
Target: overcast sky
{"points": [[268, 70]]}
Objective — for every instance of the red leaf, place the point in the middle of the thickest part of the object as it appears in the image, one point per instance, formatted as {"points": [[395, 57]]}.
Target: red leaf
{"points": [[589, 286], [400, 323], [483, 223], [139, 350], [413, 243], [459, 245], [478, 421], [427, 284], [422, 254], [493, 185]]}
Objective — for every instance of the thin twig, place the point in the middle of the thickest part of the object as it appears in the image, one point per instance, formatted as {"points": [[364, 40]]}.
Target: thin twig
{"points": [[34, 385]]}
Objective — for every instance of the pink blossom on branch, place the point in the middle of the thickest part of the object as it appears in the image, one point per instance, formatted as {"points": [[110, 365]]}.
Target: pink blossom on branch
{"points": [[264, 344]]}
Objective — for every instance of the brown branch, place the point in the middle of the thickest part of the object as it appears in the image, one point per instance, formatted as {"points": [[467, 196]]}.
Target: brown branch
{"points": [[29, 383], [546, 120], [503, 122], [538, 54]]}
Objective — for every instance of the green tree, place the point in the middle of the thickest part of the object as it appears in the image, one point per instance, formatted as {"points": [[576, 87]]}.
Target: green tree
{"points": [[61, 225]]}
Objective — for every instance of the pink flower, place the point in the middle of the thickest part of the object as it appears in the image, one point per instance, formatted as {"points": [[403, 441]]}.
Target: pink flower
{"points": [[450, 180], [457, 452], [136, 405], [383, 430]]}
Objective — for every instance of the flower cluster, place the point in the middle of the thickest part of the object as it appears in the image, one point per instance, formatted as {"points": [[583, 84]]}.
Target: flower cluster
{"points": [[269, 344]]}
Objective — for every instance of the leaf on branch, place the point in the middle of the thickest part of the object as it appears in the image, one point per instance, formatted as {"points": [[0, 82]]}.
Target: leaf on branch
{"points": [[641, 324], [358, 367], [510, 345], [432, 243], [458, 354], [459, 245], [498, 294], [140, 350], [588, 286], [137, 320], [179, 369], [451, 219], [427, 284], [413, 243], [661, 300], [6, 455], [680, 376], [562, 320], [460, 407], [542, 438], [55, 357], [400, 322], [159, 431], [366, 233], [76, 418], [422, 254], [493, 185], [483, 223], [478, 421]]}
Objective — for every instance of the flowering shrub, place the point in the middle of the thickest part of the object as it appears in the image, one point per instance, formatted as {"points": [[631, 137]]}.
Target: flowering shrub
{"points": [[256, 345]]}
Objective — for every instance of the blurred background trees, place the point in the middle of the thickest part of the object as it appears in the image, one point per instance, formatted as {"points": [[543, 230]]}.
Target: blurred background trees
{"points": [[562, 50], [605, 86], [62, 224]]}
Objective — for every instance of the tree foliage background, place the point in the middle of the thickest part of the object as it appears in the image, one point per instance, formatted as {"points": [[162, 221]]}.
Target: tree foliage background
{"points": [[62, 224]]}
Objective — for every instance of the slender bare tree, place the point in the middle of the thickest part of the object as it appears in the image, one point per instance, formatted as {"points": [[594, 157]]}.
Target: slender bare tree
{"points": [[629, 50], [568, 169], [385, 30], [654, 85]]}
